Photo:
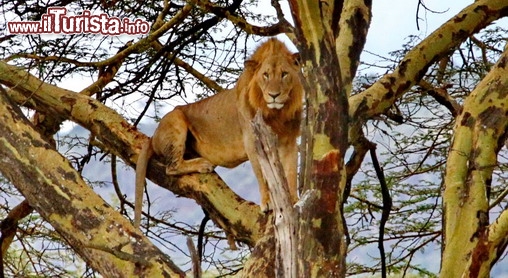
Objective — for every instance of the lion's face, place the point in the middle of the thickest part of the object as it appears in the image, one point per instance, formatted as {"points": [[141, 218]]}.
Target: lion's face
{"points": [[276, 77]]}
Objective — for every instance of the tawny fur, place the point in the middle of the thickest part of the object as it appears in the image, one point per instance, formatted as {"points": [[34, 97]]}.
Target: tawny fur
{"points": [[217, 130]]}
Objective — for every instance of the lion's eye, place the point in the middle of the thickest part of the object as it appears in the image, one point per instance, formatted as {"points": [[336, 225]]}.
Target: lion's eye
{"points": [[266, 76], [284, 74]]}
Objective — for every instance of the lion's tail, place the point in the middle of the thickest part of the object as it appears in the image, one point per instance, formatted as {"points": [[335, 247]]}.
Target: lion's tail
{"points": [[141, 167]]}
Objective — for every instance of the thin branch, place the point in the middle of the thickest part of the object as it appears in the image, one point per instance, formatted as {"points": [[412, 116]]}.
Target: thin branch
{"points": [[442, 97], [116, 186], [278, 28], [361, 146], [499, 199], [47, 59], [160, 18], [177, 61], [387, 206], [201, 234], [363, 200], [106, 75]]}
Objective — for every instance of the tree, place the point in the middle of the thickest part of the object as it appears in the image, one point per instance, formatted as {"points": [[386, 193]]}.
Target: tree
{"points": [[199, 46]]}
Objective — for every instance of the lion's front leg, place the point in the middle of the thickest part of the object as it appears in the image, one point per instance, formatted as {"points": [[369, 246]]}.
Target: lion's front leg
{"points": [[289, 159], [250, 149], [263, 186]]}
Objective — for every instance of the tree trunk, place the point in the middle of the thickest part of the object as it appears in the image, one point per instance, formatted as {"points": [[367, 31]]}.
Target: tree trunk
{"points": [[322, 249], [471, 244]]}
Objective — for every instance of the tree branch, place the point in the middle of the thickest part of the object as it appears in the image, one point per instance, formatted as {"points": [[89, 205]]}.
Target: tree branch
{"points": [[442, 97], [479, 134], [387, 207], [490, 247], [353, 26], [106, 75], [237, 217], [9, 226], [201, 77], [68, 204], [278, 28]]}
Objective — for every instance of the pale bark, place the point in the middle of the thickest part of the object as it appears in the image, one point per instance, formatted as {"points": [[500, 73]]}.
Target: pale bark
{"points": [[323, 46], [490, 246], [354, 24], [470, 244], [285, 216]]}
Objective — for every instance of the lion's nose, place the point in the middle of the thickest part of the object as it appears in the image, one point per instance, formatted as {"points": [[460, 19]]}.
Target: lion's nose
{"points": [[274, 95]]}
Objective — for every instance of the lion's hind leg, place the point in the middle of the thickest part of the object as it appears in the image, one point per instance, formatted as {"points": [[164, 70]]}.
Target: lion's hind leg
{"points": [[169, 141]]}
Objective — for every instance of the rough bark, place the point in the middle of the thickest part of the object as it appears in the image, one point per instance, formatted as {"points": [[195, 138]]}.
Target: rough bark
{"points": [[471, 246], [236, 216], [109, 244], [322, 249]]}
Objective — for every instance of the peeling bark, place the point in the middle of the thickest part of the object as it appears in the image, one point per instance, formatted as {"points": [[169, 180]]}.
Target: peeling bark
{"points": [[285, 216]]}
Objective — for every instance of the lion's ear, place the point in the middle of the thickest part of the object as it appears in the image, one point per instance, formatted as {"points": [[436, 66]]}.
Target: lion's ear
{"points": [[296, 57], [250, 64]]}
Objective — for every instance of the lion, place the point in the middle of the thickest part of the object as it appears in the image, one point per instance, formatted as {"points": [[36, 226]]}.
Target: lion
{"points": [[195, 138]]}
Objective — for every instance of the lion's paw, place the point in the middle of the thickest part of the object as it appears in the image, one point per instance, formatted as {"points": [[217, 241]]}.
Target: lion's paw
{"points": [[205, 166], [265, 207], [196, 165]]}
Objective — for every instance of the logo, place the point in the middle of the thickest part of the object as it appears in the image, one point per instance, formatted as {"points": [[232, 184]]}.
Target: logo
{"points": [[57, 21]]}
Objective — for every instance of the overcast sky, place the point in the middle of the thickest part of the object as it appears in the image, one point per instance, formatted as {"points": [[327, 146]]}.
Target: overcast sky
{"points": [[395, 20]]}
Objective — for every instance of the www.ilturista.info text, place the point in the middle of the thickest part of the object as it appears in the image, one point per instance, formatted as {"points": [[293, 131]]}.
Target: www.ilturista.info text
{"points": [[56, 21]]}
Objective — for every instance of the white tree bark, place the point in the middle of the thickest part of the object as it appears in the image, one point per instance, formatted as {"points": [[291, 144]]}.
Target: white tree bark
{"points": [[286, 218]]}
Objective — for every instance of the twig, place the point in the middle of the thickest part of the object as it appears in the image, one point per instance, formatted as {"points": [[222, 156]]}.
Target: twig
{"points": [[499, 199], [117, 252], [442, 97]]}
